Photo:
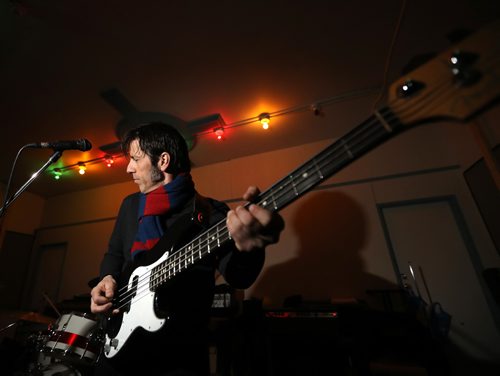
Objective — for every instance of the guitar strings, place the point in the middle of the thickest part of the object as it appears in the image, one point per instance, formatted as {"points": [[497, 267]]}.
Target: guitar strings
{"points": [[176, 259], [359, 143], [152, 278], [429, 93], [444, 91]]}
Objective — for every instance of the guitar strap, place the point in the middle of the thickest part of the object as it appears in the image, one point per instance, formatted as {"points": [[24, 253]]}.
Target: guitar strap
{"points": [[202, 210], [198, 208]]}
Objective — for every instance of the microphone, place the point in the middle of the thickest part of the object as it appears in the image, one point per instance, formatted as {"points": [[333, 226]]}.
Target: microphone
{"points": [[82, 144]]}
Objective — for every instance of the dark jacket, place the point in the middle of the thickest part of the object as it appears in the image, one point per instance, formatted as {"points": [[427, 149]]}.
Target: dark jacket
{"points": [[187, 299]]}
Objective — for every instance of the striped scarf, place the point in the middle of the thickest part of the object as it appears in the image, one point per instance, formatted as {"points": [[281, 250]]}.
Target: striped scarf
{"points": [[155, 205]]}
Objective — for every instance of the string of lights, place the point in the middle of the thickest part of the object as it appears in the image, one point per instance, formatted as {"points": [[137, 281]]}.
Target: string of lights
{"points": [[108, 159], [316, 108], [264, 119]]}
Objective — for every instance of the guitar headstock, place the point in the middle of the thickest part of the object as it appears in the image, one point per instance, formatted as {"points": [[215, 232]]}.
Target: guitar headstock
{"points": [[455, 85]]}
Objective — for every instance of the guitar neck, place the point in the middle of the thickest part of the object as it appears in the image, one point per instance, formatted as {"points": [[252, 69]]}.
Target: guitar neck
{"points": [[379, 127], [457, 84], [365, 137]]}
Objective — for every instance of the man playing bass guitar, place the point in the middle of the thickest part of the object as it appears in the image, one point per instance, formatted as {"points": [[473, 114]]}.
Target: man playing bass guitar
{"points": [[155, 297]]}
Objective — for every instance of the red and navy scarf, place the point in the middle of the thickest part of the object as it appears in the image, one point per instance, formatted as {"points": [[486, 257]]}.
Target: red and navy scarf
{"points": [[155, 205]]}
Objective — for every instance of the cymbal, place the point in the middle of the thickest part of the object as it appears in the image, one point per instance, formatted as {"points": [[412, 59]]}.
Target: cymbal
{"points": [[36, 317], [26, 316]]}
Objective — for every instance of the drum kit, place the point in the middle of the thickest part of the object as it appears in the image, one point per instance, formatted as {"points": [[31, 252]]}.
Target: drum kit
{"points": [[69, 346]]}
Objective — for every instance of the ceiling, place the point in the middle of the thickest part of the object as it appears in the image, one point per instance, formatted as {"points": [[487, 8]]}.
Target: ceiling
{"points": [[85, 68]]}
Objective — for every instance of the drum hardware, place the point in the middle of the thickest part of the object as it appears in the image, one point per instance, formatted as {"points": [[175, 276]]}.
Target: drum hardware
{"points": [[8, 326], [51, 303], [50, 366], [70, 345], [60, 369]]}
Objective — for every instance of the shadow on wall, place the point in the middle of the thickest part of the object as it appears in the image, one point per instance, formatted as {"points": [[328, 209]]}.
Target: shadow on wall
{"points": [[332, 231]]}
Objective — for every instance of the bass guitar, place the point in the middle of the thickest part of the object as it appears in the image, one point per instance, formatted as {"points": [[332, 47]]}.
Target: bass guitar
{"points": [[456, 85]]}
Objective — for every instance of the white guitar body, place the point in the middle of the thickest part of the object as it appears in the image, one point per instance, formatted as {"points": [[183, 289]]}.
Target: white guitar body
{"points": [[141, 313]]}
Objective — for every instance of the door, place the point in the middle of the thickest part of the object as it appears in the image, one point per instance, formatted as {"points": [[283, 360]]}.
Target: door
{"points": [[48, 273], [16, 249], [431, 234]]}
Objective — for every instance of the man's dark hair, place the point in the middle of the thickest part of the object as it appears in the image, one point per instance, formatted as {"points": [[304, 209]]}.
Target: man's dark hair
{"points": [[155, 138]]}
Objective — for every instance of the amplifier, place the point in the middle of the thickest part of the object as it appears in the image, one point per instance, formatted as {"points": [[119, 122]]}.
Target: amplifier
{"points": [[301, 314]]}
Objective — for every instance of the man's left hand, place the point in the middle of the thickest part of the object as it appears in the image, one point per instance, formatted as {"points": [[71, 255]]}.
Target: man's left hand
{"points": [[253, 227]]}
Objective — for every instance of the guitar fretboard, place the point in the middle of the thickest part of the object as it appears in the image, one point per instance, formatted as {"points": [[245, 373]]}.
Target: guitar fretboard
{"points": [[379, 127]]}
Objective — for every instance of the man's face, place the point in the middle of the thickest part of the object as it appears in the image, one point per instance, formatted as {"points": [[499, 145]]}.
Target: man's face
{"points": [[145, 175]]}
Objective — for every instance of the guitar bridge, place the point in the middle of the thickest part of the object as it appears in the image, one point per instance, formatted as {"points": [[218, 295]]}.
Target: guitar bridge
{"points": [[113, 343]]}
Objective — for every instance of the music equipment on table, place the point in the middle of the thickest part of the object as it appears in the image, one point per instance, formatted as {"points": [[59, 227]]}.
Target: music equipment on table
{"points": [[323, 315], [288, 314], [226, 301], [454, 85]]}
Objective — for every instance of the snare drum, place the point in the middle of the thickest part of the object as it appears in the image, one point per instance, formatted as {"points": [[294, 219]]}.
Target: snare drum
{"points": [[74, 337]]}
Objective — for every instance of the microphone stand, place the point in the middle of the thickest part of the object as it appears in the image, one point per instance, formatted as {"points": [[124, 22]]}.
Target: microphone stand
{"points": [[57, 154]]}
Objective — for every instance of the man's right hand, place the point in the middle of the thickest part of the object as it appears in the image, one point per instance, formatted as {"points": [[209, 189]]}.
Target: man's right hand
{"points": [[102, 295]]}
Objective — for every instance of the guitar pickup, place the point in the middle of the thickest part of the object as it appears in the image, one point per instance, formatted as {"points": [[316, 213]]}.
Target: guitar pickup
{"points": [[112, 343]]}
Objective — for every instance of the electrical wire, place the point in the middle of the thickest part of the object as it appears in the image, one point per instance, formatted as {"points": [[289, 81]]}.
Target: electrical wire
{"points": [[389, 56], [7, 188]]}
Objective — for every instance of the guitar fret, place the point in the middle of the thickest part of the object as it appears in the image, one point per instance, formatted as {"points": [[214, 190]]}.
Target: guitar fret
{"points": [[323, 165], [274, 200], [293, 185], [346, 148], [382, 121], [217, 236], [215, 239], [200, 244], [318, 170]]}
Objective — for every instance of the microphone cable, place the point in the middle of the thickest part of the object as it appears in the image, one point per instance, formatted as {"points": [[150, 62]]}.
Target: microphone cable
{"points": [[7, 188]]}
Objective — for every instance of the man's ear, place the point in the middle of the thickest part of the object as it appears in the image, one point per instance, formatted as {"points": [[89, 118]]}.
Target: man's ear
{"points": [[164, 161]]}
